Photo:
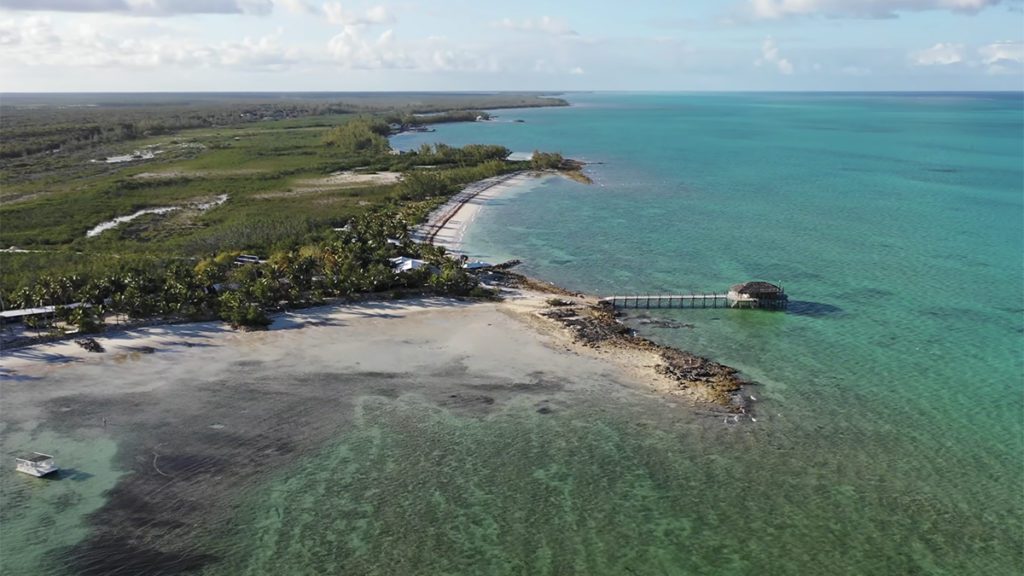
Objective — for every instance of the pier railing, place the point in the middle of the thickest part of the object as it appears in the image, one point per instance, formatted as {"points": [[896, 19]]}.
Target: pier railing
{"points": [[670, 301]]}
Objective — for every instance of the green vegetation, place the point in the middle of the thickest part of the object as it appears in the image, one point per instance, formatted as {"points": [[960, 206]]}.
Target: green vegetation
{"points": [[35, 124], [363, 136], [290, 199], [546, 160]]}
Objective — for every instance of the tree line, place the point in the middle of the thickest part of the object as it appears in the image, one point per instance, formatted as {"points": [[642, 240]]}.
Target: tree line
{"points": [[355, 261], [343, 262]]}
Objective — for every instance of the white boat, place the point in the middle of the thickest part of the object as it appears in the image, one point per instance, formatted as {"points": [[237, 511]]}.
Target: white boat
{"points": [[37, 464]]}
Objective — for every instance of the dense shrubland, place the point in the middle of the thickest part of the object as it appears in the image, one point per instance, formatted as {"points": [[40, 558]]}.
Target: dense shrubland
{"points": [[315, 245]]}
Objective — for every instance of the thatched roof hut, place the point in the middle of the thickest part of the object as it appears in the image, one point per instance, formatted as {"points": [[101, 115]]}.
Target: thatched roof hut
{"points": [[757, 294]]}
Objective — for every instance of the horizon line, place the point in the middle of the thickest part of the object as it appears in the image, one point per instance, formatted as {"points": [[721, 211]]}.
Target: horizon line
{"points": [[524, 91]]}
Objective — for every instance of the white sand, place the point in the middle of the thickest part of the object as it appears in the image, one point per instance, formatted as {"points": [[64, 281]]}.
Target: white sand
{"points": [[463, 208], [506, 339], [337, 181], [169, 174]]}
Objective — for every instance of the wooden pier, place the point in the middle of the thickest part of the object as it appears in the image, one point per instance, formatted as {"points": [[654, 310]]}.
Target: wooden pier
{"points": [[670, 301], [761, 295]]}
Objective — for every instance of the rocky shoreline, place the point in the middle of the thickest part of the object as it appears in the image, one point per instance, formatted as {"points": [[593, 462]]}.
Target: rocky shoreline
{"points": [[596, 325]]}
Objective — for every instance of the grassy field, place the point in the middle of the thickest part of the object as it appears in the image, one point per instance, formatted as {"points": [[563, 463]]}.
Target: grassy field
{"points": [[274, 174], [248, 164]]}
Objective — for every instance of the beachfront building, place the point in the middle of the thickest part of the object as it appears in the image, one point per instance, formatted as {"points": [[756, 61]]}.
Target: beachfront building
{"points": [[246, 259], [757, 294], [406, 264], [26, 315]]}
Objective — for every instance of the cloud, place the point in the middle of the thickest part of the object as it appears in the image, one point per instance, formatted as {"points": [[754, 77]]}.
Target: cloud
{"points": [[777, 9], [34, 41], [67, 5], [32, 31], [770, 56], [543, 25], [352, 50], [145, 7], [296, 6], [1006, 57], [938, 55], [577, 71], [452, 59], [375, 16]]}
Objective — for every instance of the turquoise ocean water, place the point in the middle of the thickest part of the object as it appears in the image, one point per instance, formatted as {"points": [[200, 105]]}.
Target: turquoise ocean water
{"points": [[890, 436], [890, 408]]}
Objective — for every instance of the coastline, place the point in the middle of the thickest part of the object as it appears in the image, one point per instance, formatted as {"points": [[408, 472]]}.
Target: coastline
{"points": [[191, 405], [184, 403], [578, 323], [447, 225], [533, 304], [588, 325]]}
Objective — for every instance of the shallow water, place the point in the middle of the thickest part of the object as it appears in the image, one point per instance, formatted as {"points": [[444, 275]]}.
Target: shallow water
{"points": [[630, 487], [889, 413], [40, 516], [894, 221]]}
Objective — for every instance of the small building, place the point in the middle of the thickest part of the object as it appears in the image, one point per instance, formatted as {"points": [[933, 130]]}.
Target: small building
{"points": [[13, 316], [476, 265], [757, 294], [406, 264], [10, 316], [36, 464], [246, 259]]}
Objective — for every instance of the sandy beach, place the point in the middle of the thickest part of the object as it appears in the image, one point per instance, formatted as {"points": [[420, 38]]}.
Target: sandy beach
{"points": [[189, 406], [163, 432], [447, 225]]}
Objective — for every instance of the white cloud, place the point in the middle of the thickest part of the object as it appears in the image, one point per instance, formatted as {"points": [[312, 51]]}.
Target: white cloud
{"points": [[1006, 57], [31, 31], [351, 49], [577, 71], [452, 59], [375, 16], [145, 7], [34, 41], [543, 25], [770, 56], [938, 55], [776, 9], [296, 6]]}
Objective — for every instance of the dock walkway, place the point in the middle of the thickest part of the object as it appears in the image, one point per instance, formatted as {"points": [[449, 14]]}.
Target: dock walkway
{"points": [[670, 301]]}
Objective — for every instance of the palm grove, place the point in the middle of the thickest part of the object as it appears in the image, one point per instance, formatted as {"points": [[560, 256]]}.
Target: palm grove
{"points": [[338, 262]]}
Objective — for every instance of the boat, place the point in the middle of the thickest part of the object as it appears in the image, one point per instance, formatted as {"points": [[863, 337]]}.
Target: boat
{"points": [[37, 464]]}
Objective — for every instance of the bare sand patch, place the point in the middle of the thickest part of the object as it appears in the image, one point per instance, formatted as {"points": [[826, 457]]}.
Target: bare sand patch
{"points": [[334, 183], [198, 411], [349, 178], [172, 174]]}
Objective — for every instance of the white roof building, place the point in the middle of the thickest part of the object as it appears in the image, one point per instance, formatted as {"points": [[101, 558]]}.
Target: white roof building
{"points": [[405, 264]]}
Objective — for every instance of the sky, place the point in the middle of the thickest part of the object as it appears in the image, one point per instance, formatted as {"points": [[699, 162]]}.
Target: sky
{"points": [[451, 45]]}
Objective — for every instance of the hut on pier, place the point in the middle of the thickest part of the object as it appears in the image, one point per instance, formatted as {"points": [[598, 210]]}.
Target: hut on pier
{"points": [[757, 295]]}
